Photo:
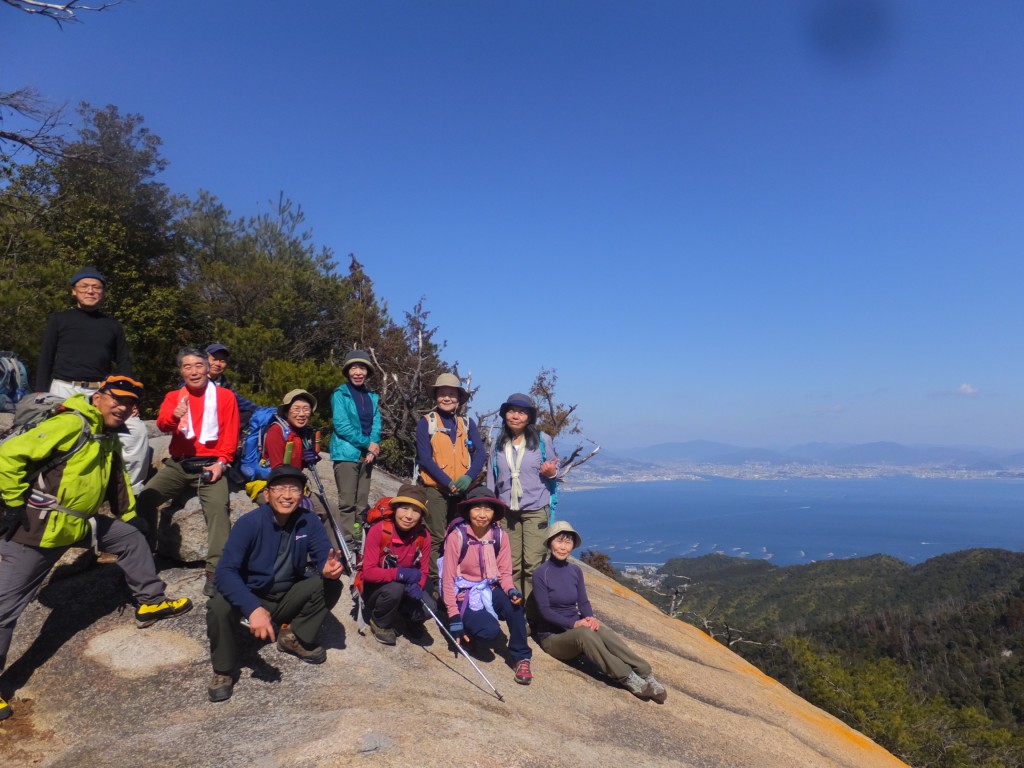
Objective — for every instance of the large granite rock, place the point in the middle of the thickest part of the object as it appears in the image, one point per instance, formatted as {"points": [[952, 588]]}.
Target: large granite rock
{"points": [[90, 689]]}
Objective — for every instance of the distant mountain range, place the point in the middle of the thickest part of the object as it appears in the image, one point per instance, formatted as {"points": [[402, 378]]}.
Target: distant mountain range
{"points": [[835, 454]]}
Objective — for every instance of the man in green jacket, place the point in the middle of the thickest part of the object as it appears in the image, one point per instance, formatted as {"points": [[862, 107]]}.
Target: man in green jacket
{"points": [[53, 480]]}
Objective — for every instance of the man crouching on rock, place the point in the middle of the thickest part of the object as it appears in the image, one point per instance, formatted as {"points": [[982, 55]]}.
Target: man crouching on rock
{"points": [[53, 480], [262, 579]]}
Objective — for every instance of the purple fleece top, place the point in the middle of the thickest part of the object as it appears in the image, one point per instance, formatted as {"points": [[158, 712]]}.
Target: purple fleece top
{"points": [[561, 596]]}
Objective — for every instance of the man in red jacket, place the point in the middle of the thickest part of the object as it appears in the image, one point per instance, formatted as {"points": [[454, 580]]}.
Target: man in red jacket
{"points": [[203, 421]]}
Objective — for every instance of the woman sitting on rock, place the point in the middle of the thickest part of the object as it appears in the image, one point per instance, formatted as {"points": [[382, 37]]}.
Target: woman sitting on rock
{"points": [[476, 580], [568, 627]]}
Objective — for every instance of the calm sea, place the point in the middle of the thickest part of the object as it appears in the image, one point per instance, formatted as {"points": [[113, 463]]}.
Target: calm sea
{"points": [[797, 521]]}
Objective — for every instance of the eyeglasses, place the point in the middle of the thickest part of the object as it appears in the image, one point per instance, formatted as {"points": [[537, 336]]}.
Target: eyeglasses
{"points": [[298, 410], [126, 402], [285, 489]]}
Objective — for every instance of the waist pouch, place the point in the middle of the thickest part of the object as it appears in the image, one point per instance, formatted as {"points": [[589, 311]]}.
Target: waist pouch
{"points": [[195, 464]]}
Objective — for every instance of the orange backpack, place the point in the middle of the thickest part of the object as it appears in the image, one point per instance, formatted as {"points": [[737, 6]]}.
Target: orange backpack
{"points": [[382, 513]]}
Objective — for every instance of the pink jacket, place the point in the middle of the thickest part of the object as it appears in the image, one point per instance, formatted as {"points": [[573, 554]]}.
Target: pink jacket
{"points": [[469, 568]]}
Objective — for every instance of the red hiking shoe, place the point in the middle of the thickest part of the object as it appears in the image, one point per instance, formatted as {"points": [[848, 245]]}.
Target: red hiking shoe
{"points": [[523, 674]]}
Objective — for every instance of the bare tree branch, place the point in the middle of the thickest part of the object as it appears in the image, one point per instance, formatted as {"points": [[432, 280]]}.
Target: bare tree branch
{"points": [[59, 12], [43, 118]]}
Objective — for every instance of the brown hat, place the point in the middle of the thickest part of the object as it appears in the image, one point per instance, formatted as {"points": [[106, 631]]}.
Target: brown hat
{"points": [[562, 526], [482, 495], [291, 397], [449, 380], [415, 495]]}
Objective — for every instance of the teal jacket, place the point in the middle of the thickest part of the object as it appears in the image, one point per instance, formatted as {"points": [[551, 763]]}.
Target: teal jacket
{"points": [[349, 443]]}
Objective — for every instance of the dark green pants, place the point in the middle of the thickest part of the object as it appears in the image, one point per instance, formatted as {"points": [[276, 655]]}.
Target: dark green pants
{"points": [[441, 510], [603, 647], [302, 607], [172, 480]]}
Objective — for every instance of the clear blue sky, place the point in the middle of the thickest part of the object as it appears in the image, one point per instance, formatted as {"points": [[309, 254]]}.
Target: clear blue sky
{"points": [[756, 222]]}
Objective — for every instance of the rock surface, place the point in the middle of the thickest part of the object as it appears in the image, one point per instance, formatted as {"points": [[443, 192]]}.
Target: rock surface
{"points": [[88, 688]]}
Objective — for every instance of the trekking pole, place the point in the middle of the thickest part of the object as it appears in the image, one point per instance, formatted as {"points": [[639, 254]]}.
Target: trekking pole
{"points": [[345, 551], [461, 649], [342, 544]]}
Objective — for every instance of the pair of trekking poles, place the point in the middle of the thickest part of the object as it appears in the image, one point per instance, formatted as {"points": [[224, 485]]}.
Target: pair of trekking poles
{"points": [[352, 566]]}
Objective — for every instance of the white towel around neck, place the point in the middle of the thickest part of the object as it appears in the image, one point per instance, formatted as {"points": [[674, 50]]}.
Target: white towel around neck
{"points": [[211, 426]]}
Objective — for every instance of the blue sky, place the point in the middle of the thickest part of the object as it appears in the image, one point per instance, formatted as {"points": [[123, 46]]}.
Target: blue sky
{"points": [[761, 223]]}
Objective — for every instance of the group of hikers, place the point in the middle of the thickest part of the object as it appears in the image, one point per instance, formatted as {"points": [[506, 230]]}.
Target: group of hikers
{"points": [[470, 544]]}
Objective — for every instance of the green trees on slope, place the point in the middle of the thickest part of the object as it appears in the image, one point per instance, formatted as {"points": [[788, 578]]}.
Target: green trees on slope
{"points": [[185, 271], [927, 660]]}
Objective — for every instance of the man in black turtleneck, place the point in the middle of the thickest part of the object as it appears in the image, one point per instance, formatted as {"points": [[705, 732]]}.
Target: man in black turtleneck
{"points": [[80, 347]]}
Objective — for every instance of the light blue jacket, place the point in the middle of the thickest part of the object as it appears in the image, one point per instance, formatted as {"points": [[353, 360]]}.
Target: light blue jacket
{"points": [[349, 443]]}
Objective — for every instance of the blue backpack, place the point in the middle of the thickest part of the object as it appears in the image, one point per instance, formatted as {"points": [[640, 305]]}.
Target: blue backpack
{"points": [[13, 381], [254, 467]]}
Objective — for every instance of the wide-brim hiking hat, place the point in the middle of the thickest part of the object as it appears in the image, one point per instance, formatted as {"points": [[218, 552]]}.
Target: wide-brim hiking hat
{"points": [[88, 272], [286, 472], [449, 380], [291, 397], [416, 495], [562, 526], [481, 495], [122, 386], [357, 356], [519, 400]]}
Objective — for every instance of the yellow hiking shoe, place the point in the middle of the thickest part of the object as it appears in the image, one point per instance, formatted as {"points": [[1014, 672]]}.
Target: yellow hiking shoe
{"points": [[150, 613], [5, 710]]}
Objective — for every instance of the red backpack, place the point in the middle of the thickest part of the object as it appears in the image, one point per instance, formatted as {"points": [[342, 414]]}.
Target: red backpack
{"points": [[382, 513]]}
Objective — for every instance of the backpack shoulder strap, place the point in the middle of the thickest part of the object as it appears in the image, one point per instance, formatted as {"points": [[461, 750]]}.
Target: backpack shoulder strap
{"points": [[83, 437]]}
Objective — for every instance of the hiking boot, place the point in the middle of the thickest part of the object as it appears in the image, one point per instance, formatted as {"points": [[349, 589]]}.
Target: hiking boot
{"points": [[417, 633], [658, 692], [221, 687], [523, 674], [381, 634], [5, 710], [287, 642], [637, 686], [150, 613], [208, 588]]}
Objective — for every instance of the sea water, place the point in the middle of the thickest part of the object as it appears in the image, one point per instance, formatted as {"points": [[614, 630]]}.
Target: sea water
{"points": [[796, 520]]}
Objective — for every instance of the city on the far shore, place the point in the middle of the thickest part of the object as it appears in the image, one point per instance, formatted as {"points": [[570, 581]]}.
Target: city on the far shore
{"points": [[702, 460]]}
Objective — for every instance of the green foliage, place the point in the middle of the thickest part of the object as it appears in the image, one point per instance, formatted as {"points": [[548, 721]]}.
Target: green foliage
{"points": [[600, 562], [928, 661], [186, 272]]}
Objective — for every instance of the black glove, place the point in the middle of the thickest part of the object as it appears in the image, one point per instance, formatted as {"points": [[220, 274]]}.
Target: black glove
{"points": [[10, 519]]}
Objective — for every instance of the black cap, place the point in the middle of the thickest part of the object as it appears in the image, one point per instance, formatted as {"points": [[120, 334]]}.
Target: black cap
{"points": [[217, 347], [286, 472]]}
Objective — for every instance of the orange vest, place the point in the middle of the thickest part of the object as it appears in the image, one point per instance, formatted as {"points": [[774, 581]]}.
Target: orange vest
{"points": [[453, 458]]}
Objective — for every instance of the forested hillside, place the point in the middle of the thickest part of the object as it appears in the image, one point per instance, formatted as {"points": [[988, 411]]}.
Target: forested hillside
{"points": [[928, 660]]}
